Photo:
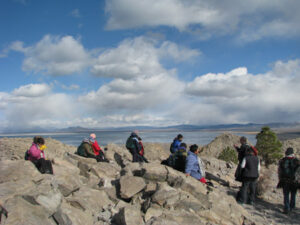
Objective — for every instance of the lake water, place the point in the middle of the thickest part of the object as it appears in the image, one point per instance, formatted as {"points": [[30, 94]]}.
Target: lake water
{"points": [[119, 137]]}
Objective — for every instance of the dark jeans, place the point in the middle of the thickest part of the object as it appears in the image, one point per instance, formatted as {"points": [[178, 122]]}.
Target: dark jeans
{"points": [[136, 157], [289, 190], [248, 184]]}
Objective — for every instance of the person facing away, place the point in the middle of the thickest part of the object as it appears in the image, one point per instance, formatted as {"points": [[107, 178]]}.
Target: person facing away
{"points": [[250, 166], [176, 143], [133, 145], [85, 149], [179, 158], [192, 167], [286, 174]]}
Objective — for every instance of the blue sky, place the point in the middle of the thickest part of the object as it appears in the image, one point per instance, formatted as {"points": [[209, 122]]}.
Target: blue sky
{"points": [[137, 62]]}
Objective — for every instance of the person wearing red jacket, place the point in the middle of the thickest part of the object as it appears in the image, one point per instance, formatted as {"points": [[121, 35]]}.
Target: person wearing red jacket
{"points": [[97, 150]]}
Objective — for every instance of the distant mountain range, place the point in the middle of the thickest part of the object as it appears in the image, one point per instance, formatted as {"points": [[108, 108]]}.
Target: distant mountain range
{"points": [[184, 127]]}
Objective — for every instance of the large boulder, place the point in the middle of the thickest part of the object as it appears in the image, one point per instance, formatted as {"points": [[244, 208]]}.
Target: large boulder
{"points": [[23, 212], [131, 185]]}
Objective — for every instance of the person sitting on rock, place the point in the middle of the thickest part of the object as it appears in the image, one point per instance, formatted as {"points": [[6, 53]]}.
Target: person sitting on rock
{"points": [[37, 156], [100, 156], [179, 158], [176, 143], [133, 145], [250, 172], [192, 167], [286, 175], [85, 149]]}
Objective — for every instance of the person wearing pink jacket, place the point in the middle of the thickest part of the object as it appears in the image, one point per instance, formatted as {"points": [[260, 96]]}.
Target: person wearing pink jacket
{"points": [[37, 156], [34, 153]]}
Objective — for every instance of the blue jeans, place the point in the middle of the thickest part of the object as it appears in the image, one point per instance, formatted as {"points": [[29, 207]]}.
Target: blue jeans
{"points": [[289, 190]]}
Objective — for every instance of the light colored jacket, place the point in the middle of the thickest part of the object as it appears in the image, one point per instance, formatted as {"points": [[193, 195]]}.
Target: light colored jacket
{"points": [[192, 166], [35, 153]]}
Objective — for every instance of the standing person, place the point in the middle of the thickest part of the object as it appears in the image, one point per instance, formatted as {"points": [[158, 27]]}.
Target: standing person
{"points": [[99, 154], [250, 172], [37, 156], [176, 143], [133, 145], [241, 154], [286, 175], [192, 167]]}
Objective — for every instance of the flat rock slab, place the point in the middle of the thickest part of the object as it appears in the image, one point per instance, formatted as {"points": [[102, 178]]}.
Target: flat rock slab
{"points": [[131, 185]]}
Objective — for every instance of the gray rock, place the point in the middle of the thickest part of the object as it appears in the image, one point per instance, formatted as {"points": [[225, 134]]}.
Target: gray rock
{"points": [[131, 185], [155, 172], [129, 216], [165, 195], [21, 212]]}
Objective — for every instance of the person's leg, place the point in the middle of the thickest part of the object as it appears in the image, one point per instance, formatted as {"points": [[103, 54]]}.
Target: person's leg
{"points": [[293, 198], [286, 200], [244, 191], [252, 186]]}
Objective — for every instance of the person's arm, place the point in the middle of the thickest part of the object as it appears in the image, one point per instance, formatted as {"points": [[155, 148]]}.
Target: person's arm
{"points": [[258, 166], [188, 166], [89, 150], [243, 164], [96, 146]]}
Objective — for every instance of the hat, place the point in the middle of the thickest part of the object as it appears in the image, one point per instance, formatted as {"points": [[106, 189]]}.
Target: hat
{"points": [[92, 140], [289, 151], [93, 135]]}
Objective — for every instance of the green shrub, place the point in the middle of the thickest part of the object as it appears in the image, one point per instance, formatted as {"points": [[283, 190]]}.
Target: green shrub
{"points": [[229, 155], [268, 146]]}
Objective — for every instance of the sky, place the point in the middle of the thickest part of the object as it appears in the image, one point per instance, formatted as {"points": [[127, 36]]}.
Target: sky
{"points": [[114, 63]]}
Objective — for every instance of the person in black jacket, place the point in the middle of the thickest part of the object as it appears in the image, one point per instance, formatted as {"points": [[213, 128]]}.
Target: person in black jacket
{"points": [[286, 175], [250, 172]]}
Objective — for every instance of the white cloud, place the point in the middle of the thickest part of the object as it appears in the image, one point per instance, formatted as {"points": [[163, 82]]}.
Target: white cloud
{"points": [[32, 90], [75, 13], [249, 20], [55, 56], [238, 96], [139, 57]]}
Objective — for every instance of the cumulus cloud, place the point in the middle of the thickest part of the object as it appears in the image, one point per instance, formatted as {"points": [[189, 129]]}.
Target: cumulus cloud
{"points": [[139, 57], [249, 20], [35, 105], [32, 90], [54, 55], [246, 97]]}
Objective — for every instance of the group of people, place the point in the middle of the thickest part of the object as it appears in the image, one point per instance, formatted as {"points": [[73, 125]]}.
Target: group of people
{"points": [[248, 173], [190, 163], [90, 148], [185, 161]]}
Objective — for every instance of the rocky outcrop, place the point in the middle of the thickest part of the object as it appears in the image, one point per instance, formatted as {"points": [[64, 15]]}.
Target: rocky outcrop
{"points": [[82, 191], [294, 143], [221, 142]]}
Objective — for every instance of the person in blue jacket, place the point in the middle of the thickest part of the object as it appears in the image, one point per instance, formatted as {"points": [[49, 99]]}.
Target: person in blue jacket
{"points": [[193, 167], [176, 143]]}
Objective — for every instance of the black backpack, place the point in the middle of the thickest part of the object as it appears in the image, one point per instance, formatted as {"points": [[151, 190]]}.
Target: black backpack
{"points": [[288, 167], [26, 157]]}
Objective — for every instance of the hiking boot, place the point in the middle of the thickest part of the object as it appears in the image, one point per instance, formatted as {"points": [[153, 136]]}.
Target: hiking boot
{"points": [[286, 211], [250, 203]]}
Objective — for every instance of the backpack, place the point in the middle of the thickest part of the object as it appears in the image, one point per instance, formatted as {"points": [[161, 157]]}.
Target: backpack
{"points": [[254, 150], [130, 143], [297, 176], [180, 160], [288, 168], [26, 157]]}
